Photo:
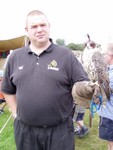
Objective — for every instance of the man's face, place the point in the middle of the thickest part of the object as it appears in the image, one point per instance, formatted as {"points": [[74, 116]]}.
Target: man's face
{"points": [[108, 57], [38, 29], [0, 78]]}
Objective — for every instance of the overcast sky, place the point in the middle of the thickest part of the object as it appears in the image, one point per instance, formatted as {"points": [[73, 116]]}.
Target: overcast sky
{"points": [[70, 20]]}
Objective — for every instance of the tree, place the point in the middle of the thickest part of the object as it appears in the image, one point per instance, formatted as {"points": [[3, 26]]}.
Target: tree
{"points": [[60, 42], [73, 46]]}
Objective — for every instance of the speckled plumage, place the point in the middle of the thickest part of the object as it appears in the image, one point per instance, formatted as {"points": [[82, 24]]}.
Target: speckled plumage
{"points": [[101, 72], [96, 67]]}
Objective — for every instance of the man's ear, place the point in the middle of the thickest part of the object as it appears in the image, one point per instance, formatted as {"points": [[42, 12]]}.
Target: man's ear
{"points": [[26, 29]]}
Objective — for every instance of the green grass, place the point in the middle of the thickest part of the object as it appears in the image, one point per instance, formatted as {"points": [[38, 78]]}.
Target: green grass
{"points": [[6, 137], [89, 142]]}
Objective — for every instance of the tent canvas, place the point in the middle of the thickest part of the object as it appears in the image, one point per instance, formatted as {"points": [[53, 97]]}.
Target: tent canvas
{"points": [[13, 43]]}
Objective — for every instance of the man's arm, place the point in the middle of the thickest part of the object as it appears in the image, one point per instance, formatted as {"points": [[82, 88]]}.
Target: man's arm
{"points": [[83, 92], [11, 102]]}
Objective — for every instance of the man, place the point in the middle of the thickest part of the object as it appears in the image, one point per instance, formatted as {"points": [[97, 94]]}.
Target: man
{"points": [[106, 111], [37, 85]]}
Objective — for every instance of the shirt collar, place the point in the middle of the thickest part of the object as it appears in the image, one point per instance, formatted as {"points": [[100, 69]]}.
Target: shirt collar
{"points": [[50, 48]]}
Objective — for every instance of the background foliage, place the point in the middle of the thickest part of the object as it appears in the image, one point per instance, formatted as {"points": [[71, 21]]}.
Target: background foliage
{"points": [[71, 46]]}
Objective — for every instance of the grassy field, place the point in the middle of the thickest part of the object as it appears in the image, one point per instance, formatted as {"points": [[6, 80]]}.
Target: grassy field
{"points": [[89, 142], [6, 136]]}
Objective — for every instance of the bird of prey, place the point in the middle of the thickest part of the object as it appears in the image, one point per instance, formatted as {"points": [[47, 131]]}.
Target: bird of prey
{"points": [[94, 64]]}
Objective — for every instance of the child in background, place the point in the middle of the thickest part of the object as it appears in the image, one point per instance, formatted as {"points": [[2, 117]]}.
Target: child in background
{"points": [[2, 99], [80, 129]]}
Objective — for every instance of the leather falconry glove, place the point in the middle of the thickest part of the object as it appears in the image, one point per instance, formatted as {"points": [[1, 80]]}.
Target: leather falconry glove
{"points": [[84, 91]]}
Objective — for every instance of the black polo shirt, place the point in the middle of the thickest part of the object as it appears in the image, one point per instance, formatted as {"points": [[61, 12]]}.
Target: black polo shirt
{"points": [[42, 84]]}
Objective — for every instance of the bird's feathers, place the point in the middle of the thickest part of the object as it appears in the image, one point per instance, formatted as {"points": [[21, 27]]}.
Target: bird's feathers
{"points": [[101, 71], [94, 64]]}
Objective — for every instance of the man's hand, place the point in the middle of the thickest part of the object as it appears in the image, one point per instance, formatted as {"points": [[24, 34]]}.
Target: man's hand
{"points": [[83, 92]]}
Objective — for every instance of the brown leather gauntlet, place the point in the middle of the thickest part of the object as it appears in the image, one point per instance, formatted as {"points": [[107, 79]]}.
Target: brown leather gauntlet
{"points": [[84, 91]]}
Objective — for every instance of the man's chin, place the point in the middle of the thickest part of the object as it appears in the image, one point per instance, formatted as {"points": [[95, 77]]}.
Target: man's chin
{"points": [[41, 40]]}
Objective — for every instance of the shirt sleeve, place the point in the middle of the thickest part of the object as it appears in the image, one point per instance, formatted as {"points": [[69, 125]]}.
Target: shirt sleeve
{"points": [[7, 85]]}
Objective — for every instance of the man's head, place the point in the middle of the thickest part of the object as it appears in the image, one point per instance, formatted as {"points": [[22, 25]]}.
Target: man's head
{"points": [[108, 53], [37, 27]]}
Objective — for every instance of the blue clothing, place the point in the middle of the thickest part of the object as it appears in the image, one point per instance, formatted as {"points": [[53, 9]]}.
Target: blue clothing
{"points": [[106, 129], [107, 111], [1, 73]]}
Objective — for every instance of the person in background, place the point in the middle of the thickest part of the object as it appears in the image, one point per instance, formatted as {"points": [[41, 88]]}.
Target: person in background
{"points": [[106, 111], [2, 98], [10, 52], [37, 85], [80, 129]]}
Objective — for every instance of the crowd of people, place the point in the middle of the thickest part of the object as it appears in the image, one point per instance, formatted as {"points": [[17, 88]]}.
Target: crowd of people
{"points": [[40, 84]]}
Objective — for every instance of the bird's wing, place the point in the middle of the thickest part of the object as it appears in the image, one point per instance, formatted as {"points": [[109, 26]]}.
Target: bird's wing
{"points": [[101, 71]]}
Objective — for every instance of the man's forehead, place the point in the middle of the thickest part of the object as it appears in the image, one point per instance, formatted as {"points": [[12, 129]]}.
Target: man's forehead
{"points": [[37, 19]]}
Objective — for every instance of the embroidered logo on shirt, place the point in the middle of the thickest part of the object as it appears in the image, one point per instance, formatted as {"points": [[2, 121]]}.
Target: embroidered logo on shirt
{"points": [[21, 67], [53, 65]]}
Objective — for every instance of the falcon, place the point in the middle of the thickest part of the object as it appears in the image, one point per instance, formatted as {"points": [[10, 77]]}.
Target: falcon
{"points": [[97, 69]]}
